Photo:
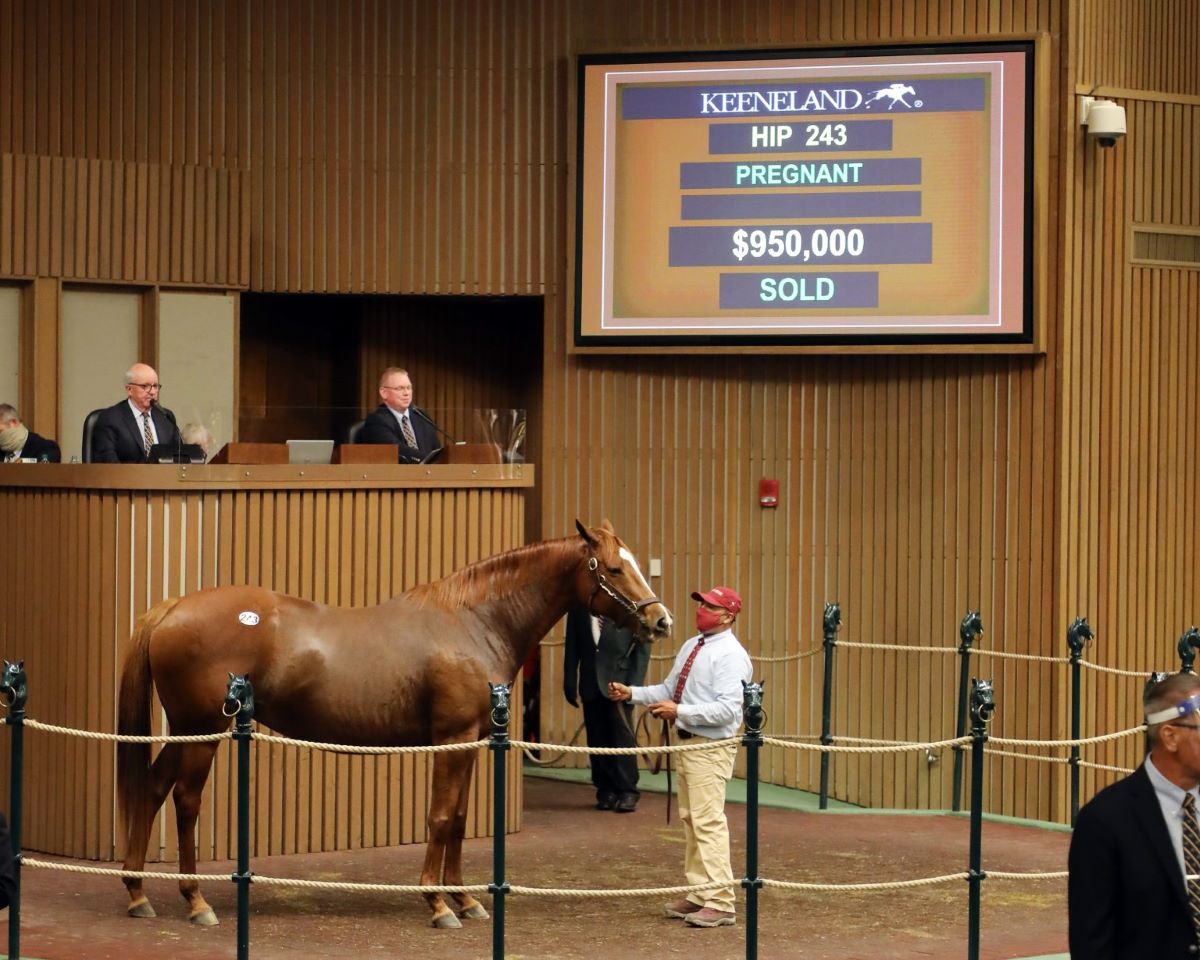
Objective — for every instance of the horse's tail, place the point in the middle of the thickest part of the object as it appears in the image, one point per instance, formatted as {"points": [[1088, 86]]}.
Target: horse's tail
{"points": [[133, 715]]}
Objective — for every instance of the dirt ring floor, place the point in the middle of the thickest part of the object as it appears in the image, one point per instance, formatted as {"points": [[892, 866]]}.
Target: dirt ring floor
{"points": [[566, 843]]}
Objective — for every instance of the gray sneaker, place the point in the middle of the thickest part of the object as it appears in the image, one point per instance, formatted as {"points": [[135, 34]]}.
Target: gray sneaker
{"points": [[681, 909], [708, 917]]}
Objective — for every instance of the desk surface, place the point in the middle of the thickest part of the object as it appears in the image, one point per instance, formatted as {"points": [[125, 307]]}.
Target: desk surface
{"points": [[184, 477]]}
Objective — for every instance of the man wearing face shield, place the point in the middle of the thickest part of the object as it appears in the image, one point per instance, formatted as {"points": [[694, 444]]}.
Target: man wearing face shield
{"points": [[18, 442], [702, 696], [1137, 841]]}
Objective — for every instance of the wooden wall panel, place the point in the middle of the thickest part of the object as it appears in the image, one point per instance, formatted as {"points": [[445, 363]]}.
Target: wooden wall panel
{"points": [[97, 558], [422, 148]]}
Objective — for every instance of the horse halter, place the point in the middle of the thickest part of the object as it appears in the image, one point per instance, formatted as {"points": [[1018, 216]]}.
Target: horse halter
{"points": [[602, 583]]}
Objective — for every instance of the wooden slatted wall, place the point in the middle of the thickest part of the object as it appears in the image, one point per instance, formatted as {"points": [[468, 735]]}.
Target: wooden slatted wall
{"points": [[422, 147], [94, 559], [1131, 352]]}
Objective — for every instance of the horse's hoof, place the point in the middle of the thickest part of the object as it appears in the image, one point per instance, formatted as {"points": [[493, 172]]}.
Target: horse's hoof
{"points": [[141, 909], [204, 918], [474, 912], [446, 921]]}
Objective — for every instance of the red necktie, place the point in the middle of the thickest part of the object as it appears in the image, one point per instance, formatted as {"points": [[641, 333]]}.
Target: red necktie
{"points": [[687, 668]]}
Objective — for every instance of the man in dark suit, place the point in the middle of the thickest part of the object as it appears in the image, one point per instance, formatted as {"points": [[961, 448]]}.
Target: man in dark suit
{"points": [[398, 421], [8, 879], [125, 432], [597, 652], [1127, 898], [18, 442]]}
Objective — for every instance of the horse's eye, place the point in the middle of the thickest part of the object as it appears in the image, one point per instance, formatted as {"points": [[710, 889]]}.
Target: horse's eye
{"points": [[614, 570]]}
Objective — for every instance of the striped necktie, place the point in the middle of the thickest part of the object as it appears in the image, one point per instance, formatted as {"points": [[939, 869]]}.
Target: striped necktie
{"points": [[687, 668], [410, 438], [147, 433], [1191, 857]]}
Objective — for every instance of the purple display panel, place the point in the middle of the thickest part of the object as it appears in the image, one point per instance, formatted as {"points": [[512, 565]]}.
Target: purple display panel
{"points": [[830, 97], [781, 206], [799, 291], [882, 243], [800, 173], [797, 137]]}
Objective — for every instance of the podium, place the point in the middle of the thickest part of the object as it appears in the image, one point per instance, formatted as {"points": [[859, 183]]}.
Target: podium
{"points": [[366, 453], [252, 453], [469, 453]]}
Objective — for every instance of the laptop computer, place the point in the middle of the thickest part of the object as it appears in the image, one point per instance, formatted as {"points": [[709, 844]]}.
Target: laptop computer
{"points": [[309, 451]]}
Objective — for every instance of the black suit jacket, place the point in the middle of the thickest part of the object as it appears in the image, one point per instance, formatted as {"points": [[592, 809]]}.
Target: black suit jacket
{"points": [[37, 446], [381, 426], [1125, 894], [588, 669], [8, 880], [117, 436]]}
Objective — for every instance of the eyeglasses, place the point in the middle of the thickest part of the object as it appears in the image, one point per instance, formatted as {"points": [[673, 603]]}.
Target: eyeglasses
{"points": [[396, 389], [146, 386]]}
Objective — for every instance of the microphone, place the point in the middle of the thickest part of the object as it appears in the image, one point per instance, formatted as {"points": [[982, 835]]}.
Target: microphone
{"points": [[429, 420], [155, 405]]}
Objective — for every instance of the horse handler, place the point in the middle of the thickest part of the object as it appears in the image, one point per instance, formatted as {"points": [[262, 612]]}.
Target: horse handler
{"points": [[702, 696]]}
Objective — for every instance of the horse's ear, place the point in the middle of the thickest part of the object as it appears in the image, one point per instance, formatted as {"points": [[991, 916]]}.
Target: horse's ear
{"points": [[605, 525], [583, 532], [231, 676]]}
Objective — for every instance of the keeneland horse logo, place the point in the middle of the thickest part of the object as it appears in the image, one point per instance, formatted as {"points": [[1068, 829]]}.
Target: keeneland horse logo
{"points": [[895, 93]]}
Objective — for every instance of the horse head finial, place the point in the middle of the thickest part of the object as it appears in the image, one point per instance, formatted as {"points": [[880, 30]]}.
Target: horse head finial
{"points": [[501, 712], [1187, 649], [832, 621], [983, 701], [13, 685], [752, 706], [971, 628], [239, 696], [1079, 634]]}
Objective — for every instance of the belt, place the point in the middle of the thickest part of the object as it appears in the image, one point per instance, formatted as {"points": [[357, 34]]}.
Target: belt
{"points": [[684, 734]]}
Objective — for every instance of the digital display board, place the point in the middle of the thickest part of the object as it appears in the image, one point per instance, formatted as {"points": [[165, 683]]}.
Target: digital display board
{"points": [[848, 197]]}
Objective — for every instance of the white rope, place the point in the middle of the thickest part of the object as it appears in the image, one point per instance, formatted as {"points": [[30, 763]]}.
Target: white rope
{"points": [[896, 748], [1144, 674], [1104, 766], [126, 738], [868, 740], [350, 748], [1042, 875], [626, 751], [1027, 756], [113, 872], [1102, 738], [894, 646], [641, 892], [802, 655], [846, 887], [1019, 656], [367, 887]]}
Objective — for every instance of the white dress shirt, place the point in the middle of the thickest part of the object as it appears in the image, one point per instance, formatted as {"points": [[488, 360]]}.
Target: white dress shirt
{"points": [[400, 417], [1170, 798], [138, 416], [711, 704]]}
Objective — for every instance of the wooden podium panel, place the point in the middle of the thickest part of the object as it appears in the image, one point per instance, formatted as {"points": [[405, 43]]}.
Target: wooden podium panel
{"points": [[367, 453], [101, 543], [252, 453], [469, 453]]}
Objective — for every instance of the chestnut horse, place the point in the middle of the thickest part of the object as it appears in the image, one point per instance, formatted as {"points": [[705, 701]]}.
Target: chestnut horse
{"points": [[412, 671]]}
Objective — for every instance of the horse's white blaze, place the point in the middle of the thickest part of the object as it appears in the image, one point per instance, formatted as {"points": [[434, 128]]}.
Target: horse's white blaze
{"points": [[630, 559]]}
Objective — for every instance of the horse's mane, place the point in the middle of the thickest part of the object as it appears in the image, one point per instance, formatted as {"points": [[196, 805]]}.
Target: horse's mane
{"points": [[485, 578]]}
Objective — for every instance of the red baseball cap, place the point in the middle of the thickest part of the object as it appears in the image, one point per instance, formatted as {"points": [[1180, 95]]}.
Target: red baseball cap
{"points": [[725, 597]]}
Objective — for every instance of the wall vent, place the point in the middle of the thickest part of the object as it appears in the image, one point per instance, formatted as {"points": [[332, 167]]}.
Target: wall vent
{"points": [[1165, 245]]}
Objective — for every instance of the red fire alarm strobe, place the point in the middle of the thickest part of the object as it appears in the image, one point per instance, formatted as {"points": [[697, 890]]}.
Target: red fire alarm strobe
{"points": [[768, 493]]}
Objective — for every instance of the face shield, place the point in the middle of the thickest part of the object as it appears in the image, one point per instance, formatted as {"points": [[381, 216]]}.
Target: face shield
{"points": [[1185, 708]]}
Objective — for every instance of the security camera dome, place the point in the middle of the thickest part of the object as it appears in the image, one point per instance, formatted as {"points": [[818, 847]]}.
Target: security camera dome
{"points": [[1105, 122]]}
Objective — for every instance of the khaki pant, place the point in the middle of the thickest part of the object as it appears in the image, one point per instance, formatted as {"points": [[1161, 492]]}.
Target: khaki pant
{"points": [[702, 779]]}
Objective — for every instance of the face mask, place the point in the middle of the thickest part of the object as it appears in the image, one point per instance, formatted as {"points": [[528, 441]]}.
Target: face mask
{"points": [[708, 620]]}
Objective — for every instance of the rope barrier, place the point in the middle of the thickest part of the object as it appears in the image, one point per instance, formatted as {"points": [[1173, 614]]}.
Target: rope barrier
{"points": [[124, 737], [367, 887], [350, 748], [1019, 656], [896, 748], [627, 751], [638, 892], [847, 887], [1104, 766], [113, 872], [1115, 670], [1040, 875], [1026, 756], [894, 646], [1082, 741]]}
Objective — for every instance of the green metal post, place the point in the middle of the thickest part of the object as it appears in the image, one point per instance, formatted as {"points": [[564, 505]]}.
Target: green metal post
{"points": [[982, 705], [752, 711], [969, 630], [239, 703], [831, 623], [1078, 634], [14, 689], [1187, 649], [499, 747]]}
